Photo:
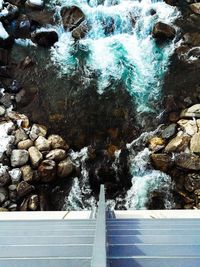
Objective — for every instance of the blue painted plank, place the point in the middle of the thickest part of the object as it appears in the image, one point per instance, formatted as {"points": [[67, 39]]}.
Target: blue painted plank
{"points": [[148, 262], [154, 250], [155, 232]]}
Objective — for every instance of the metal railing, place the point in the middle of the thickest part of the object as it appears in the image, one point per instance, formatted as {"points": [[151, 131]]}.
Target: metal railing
{"points": [[99, 249]]}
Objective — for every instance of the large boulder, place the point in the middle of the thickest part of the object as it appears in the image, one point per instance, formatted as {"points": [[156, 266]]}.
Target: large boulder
{"points": [[177, 144], [188, 161], [163, 31], [72, 17], [162, 162], [47, 171], [19, 157], [45, 38], [191, 112], [65, 168]]}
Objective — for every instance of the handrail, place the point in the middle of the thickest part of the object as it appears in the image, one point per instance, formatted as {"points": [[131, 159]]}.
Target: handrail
{"points": [[99, 249]]}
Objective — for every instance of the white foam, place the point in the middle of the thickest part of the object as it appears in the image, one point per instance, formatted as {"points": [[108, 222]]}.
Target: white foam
{"points": [[3, 33]]}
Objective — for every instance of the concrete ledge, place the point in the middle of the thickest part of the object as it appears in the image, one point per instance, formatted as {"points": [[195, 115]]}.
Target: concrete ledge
{"points": [[157, 214], [45, 215]]}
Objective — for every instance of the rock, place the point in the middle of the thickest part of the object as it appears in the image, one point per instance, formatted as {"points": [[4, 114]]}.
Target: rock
{"points": [[26, 144], [12, 12], [35, 156], [80, 32], [191, 39], [20, 118], [19, 157], [177, 144], [20, 135], [24, 205], [26, 63], [171, 2], [15, 87], [163, 31], [27, 173], [3, 57], [33, 202], [156, 143], [65, 168], [47, 171], [3, 195], [2, 110], [192, 112], [12, 207], [37, 130], [12, 192], [22, 28], [41, 18], [45, 38], [57, 141], [37, 4], [42, 144], [162, 162], [195, 143], [169, 131], [188, 161], [56, 154], [23, 189], [189, 126], [72, 17], [195, 8], [15, 175]]}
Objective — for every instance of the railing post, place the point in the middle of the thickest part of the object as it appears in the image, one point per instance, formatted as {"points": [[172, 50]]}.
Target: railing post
{"points": [[99, 249]]}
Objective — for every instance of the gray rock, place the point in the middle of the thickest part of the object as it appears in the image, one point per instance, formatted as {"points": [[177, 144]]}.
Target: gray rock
{"points": [[65, 168], [4, 176], [169, 131], [42, 144], [15, 175], [20, 135], [35, 156], [2, 110], [19, 157], [37, 130]]}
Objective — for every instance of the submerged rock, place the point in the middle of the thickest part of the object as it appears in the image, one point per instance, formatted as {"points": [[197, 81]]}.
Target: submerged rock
{"points": [[72, 17], [163, 31], [45, 38], [80, 31]]}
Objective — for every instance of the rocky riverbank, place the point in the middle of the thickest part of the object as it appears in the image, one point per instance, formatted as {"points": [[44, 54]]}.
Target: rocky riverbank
{"points": [[36, 164]]}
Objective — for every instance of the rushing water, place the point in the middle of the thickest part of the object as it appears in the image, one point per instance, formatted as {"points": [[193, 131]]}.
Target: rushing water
{"points": [[119, 47]]}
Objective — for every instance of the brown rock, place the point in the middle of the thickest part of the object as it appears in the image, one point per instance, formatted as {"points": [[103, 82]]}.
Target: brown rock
{"points": [[195, 8], [162, 162], [56, 154], [188, 161], [26, 144], [47, 171], [188, 126], [24, 189], [57, 141], [192, 112], [27, 173], [45, 38], [65, 168], [17, 117], [37, 130], [177, 144], [156, 143], [195, 143], [33, 202], [35, 156], [72, 17], [163, 31]]}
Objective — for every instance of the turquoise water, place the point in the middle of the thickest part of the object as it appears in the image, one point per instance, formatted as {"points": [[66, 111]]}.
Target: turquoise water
{"points": [[127, 56]]}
